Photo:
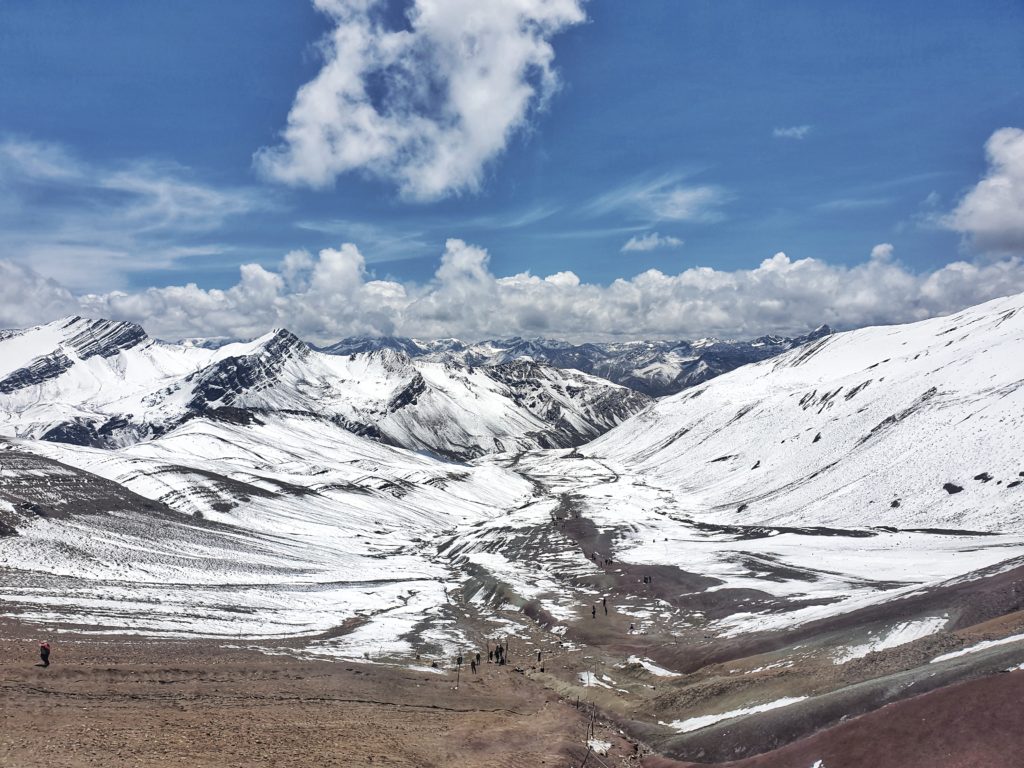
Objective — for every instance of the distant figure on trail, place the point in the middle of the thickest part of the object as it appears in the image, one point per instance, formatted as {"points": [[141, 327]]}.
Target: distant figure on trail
{"points": [[593, 611], [478, 657], [538, 656], [44, 653], [490, 656], [472, 665], [604, 604]]}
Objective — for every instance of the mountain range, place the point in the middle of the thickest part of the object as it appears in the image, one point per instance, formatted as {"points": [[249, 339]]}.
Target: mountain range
{"points": [[107, 384], [655, 368]]}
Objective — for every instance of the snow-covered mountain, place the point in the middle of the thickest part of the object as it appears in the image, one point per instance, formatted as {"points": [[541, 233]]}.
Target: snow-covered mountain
{"points": [[909, 426], [656, 368], [103, 383]]}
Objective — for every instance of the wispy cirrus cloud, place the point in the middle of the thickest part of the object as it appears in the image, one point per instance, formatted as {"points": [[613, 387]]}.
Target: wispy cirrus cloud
{"points": [[798, 132], [651, 241], [426, 106], [91, 222], [667, 198], [854, 203]]}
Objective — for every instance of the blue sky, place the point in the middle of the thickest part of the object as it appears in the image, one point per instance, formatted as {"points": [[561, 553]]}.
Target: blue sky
{"points": [[708, 133]]}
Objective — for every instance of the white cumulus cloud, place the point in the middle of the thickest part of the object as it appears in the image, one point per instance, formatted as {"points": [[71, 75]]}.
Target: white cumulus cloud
{"points": [[332, 294], [650, 242], [992, 212], [425, 106]]}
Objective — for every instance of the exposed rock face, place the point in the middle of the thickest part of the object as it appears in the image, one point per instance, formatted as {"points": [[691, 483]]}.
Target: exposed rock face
{"points": [[227, 379], [556, 396], [43, 368], [83, 339]]}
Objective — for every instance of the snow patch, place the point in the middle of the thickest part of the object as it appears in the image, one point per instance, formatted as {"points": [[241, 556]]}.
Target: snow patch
{"points": [[979, 647], [900, 634], [651, 667], [696, 723]]}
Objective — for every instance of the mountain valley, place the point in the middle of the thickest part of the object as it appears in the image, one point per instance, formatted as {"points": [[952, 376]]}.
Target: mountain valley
{"points": [[733, 572]]}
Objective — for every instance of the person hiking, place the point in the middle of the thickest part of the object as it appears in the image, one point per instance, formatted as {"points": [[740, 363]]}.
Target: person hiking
{"points": [[44, 653], [593, 611], [538, 656], [472, 665], [604, 603], [478, 657], [490, 655]]}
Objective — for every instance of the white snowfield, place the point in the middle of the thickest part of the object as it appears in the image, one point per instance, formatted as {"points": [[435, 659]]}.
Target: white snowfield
{"points": [[837, 432]]}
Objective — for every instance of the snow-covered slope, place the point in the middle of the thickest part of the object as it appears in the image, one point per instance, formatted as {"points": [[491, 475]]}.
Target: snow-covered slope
{"points": [[107, 384], [908, 426], [272, 528]]}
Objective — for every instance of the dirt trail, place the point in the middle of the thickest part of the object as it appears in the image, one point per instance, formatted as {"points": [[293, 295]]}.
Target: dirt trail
{"points": [[129, 702]]}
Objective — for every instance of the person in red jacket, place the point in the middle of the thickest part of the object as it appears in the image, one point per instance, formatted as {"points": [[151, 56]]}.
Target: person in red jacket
{"points": [[44, 653]]}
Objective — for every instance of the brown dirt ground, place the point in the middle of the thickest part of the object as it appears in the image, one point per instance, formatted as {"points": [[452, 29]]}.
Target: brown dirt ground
{"points": [[126, 701]]}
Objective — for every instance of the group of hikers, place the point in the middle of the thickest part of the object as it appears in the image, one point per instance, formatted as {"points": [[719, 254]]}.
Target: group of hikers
{"points": [[496, 655]]}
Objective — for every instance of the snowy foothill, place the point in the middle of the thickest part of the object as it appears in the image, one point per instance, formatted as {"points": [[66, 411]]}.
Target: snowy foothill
{"points": [[301, 531]]}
